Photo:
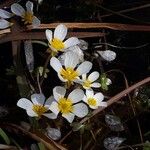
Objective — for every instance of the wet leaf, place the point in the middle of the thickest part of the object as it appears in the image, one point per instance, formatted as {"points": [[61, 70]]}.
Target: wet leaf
{"points": [[114, 123], [112, 143], [29, 55], [53, 133]]}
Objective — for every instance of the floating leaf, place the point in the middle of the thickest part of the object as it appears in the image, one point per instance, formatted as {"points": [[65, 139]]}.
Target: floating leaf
{"points": [[53, 133], [29, 55], [114, 123], [4, 136], [112, 143]]}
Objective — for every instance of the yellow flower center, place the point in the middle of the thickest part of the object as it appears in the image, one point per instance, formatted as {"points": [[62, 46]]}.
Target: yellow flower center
{"points": [[87, 84], [57, 44], [39, 109], [69, 74], [65, 105], [28, 17], [92, 101]]}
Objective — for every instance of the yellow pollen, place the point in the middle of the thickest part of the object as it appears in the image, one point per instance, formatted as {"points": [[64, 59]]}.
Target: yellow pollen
{"points": [[92, 101], [39, 109], [65, 105], [69, 74], [87, 84], [28, 17], [57, 44]]}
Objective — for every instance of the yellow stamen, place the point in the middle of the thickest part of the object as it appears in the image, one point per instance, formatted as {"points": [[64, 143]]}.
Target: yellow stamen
{"points": [[28, 17], [69, 74], [39, 109], [65, 105], [87, 84], [57, 44], [92, 101]]}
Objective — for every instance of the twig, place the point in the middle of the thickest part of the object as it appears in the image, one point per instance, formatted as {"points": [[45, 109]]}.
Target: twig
{"points": [[113, 100]]}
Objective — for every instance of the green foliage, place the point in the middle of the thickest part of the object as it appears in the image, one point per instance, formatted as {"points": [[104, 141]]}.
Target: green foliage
{"points": [[4, 136]]}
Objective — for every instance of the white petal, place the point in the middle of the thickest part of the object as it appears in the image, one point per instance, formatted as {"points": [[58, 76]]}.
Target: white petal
{"points": [[93, 76], [84, 76], [4, 24], [108, 55], [83, 68], [17, 9], [59, 92], [50, 115], [80, 110], [76, 95], [38, 99], [29, 6], [99, 96], [60, 32], [31, 113], [71, 59], [49, 101], [24, 103], [71, 42], [108, 82], [61, 78], [5, 14], [55, 63], [96, 85], [89, 93], [54, 108], [35, 22], [48, 35], [69, 117]]}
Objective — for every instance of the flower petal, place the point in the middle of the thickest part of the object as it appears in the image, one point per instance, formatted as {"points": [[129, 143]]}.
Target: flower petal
{"points": [[17, 9], [93, 76], [4, 24], [71, 59], [60, 32], [38, 99], [31, 113], [84, 76], [71, 42], [69, 117], [61, 78], [56, 65], [80, 110], [59, 92], [76, 95], [83, 68], [48, 35], [96, 85], [54, 108], [5, 14], [99, 96], [89, 93], [108, 82], [50, 115], [24, 103], [35, 22], [49, 101], [29, 6]]}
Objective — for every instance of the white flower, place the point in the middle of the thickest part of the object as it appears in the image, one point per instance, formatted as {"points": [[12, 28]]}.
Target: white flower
{"points": [[56, 42], [69, 106], [37, 106], [94, 101], [74, 49], [4, 15], [107, 55], [70, 72], [27, 16], [89, 82]]}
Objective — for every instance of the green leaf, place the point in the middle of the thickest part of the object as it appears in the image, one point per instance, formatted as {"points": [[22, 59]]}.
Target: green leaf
{"points": [[41, 146], [146, 146], [4, 136]]}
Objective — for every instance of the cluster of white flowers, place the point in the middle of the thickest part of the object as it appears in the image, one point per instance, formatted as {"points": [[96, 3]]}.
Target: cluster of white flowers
{"points": [[73, 71], [26, 15]]}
